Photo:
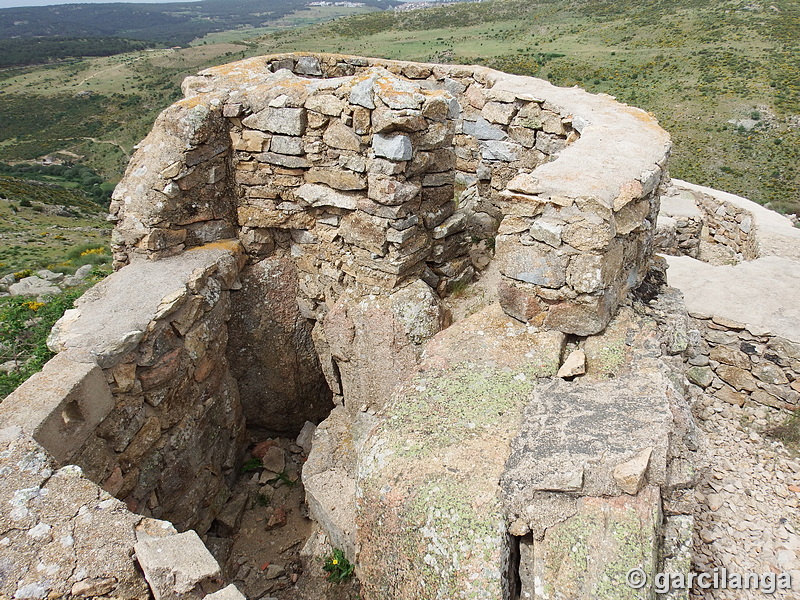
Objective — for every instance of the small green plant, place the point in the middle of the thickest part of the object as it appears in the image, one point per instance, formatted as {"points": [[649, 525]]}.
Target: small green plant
{"points": [[263, 500], [24, 327], [337, 566], [787, 432], [284, 478], [251, 465]]}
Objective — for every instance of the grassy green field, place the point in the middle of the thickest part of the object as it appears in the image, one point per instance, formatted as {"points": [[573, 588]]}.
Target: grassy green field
{"points": [[40, 232]]}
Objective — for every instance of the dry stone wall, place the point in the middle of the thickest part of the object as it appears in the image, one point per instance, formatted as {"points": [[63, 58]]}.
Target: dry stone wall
{"points": [[138, 404], [373, 173], [139, 380], [729, 225], [738, 362], [361, 185], [744, 340]]}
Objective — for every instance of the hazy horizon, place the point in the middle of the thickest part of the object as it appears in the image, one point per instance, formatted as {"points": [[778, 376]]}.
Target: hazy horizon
{"points": [[28, 3]]}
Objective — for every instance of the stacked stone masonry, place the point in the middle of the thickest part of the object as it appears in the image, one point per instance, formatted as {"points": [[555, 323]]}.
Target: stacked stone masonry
{"points": [[363, 185], [736, 351], [737, 362], [375, 173], [140, 399]]}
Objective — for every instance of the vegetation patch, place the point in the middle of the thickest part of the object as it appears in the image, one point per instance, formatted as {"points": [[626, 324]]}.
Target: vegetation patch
{"points": [[338, 568], [25, 324]]}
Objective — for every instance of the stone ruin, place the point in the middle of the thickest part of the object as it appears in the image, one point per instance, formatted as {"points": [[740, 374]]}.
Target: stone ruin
{"points": [[406, 255]]}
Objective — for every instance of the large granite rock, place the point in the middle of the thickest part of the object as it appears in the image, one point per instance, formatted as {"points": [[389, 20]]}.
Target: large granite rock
{"points": [[430, 515]]}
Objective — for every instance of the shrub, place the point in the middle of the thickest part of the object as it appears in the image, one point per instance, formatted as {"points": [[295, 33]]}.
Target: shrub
{"points": [[24, 327]]}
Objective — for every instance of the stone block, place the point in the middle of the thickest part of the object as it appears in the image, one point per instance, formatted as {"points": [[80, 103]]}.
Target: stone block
{"points": [[393, 147], [520, 300], [386, 190], [365, 231], [327, 104], [483, 130], [699, 375], [338, 135], [283, 160], [336, 178], [500, 151], [322, 195], [387, 121], [331, 503], [251, 140], [285, 121], [61, 406], [177, 567], [736, 377], [498, 112], [536, 264], [283, 144], [308, 65]]}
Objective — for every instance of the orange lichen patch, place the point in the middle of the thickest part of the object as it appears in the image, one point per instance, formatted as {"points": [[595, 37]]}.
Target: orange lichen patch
{"points": [[248, 64], [231, 245], [194, 102]]}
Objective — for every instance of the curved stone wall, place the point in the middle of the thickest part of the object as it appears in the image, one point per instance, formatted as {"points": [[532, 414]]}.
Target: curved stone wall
{"points": [[365, 183], [354, 164]]}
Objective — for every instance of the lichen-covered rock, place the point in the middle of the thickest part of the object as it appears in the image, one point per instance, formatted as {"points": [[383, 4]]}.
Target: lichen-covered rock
{"points": [[51, 521], [430, 520], [589, 555]]}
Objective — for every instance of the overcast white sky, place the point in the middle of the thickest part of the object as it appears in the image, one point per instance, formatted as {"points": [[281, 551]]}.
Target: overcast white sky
{"points": [[13, 3]]}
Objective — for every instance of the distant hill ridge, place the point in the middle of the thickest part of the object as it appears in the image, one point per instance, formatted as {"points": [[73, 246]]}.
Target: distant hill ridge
{"points": [[169, 23]]}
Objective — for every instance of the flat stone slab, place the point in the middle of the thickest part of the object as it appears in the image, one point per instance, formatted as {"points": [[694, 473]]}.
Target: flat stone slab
{"points": [[632, 141], [764, 292], [680, 205], [111, 318]]}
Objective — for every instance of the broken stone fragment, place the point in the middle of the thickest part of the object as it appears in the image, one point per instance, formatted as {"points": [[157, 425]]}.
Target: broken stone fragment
{"points": [[93, 587], [276, 519], [306, 436], [630, 475], [274, 460], [230, 517], [274, 571], [574, 365], [702, 376], [176, 566], [227, 593]]}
